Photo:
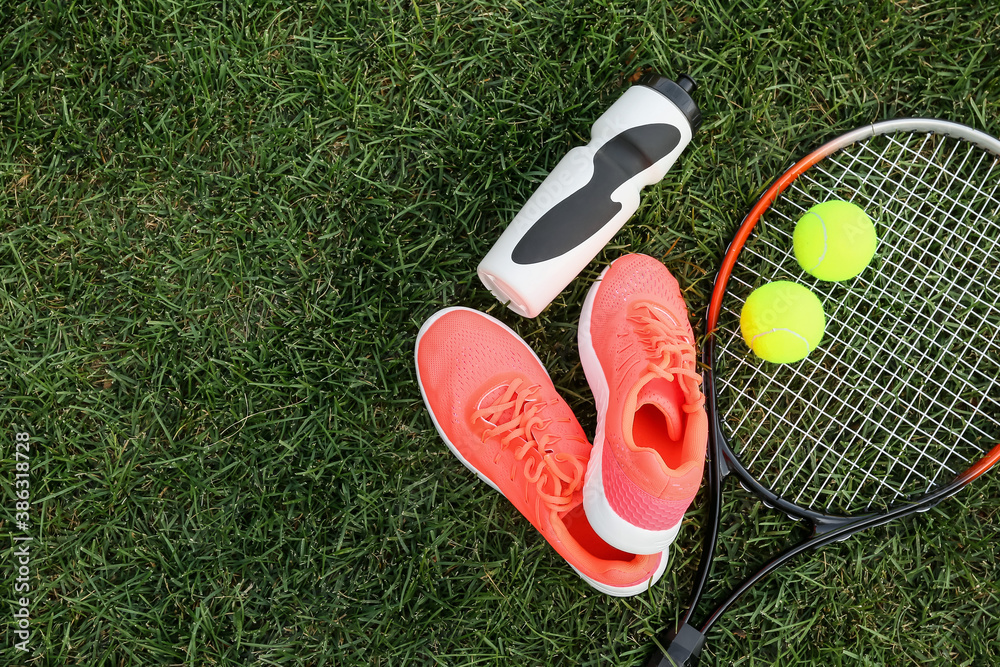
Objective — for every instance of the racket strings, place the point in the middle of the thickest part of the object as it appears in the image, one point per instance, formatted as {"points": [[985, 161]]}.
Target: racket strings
{"points": [[814, 429], [810, 427], [956, 271], [922, 282], [936, 287], [908, 292], [896, 395], [850, 344]]}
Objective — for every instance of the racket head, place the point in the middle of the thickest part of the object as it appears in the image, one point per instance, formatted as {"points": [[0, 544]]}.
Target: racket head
{"points": [[901, 398]]}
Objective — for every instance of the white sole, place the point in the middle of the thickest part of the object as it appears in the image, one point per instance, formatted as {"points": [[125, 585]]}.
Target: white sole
{"points": [[603, 588], [611, 527]]}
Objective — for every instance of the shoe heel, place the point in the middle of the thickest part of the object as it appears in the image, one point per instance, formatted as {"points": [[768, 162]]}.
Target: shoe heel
{"points": [[613, 528]]}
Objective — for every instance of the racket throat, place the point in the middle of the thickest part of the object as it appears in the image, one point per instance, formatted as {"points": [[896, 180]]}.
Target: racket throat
{"points": [[825, 525]]}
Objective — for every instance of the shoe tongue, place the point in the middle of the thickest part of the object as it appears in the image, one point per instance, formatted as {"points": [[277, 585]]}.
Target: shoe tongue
{"points": [[668, 398]]}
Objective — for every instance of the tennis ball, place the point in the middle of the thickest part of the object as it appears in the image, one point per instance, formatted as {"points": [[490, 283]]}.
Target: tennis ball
{"points": [[782, 322], [834, 240]]}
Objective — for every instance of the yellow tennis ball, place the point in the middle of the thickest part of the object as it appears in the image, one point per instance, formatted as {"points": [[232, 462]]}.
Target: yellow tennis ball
{"points": [[834, 240], [782, 322]]}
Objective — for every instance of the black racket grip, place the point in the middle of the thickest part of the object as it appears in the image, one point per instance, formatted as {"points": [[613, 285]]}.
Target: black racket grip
{"points": [[683, 650]]}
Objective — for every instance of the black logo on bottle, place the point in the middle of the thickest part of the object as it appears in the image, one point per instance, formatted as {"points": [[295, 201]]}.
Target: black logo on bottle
{"points": [[581, 215]]}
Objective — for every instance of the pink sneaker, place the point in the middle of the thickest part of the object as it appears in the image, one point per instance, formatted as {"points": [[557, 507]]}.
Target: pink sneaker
{"points": [[496, 408], [637, 350]]}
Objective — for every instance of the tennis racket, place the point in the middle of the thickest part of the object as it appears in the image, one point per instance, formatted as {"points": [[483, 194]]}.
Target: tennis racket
{"points": [[899, 406]]}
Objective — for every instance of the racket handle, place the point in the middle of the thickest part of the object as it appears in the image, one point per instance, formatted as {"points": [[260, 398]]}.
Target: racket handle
{"points": [[590, 194], [683, 651]]}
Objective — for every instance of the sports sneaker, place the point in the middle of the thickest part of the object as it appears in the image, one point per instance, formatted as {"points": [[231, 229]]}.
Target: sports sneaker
{"points": [[637, 350], [496, 408]]}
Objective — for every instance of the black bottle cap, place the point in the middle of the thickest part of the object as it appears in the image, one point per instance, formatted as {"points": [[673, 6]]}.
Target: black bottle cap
{"points": [[679, 93]]}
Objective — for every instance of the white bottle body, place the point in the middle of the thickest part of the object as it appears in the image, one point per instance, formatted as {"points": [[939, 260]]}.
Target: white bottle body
{"points": [[527, 287]]}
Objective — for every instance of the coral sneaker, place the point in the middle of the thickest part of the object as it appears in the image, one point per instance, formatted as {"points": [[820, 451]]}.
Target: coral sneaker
{"points": [[494, 405], [637, 350]]}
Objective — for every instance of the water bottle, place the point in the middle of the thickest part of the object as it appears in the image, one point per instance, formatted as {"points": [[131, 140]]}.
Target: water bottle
{"points": [[590, 194]]}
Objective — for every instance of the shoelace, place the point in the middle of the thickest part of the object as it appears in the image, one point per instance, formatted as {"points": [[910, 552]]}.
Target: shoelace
{"points": [[670, 350], [543, 469]]}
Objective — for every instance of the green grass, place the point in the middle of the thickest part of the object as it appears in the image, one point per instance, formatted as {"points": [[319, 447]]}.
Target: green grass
{"points": [[222, 226]]}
